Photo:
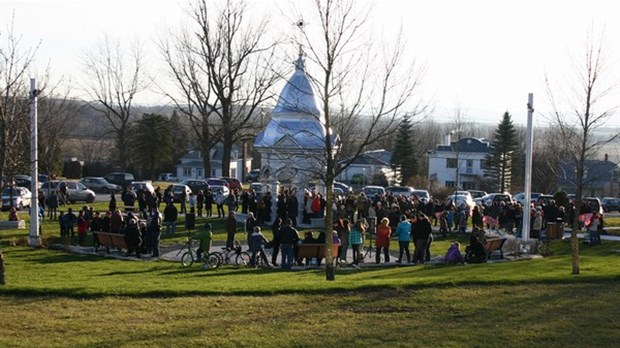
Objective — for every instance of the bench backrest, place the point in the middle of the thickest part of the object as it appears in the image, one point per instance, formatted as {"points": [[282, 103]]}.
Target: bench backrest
{"points": [[494, 244], [315, 250], [111, 239]]}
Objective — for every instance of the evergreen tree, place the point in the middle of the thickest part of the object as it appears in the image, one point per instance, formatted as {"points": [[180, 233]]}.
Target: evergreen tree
{"points": [[503, 156], [152, 142], [404, 159]]}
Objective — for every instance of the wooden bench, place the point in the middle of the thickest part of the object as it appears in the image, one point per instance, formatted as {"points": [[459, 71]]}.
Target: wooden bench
{"points": [[107, 240], [315, 250], [12, 225], [494, 244]]}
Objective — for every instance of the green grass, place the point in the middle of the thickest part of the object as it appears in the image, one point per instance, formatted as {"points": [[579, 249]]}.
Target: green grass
{"points": [[58, 299]]}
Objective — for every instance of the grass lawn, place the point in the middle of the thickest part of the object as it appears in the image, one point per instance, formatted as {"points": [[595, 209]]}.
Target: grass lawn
{"points": [[57, 299]]}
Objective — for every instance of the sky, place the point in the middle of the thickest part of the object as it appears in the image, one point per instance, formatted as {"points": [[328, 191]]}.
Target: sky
{"points": [[482, 57]]}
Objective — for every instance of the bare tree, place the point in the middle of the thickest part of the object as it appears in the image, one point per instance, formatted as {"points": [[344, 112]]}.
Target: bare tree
{"points": [[113, 83], [363, 89], [57, 112], [592, 100], [224, 71], [14, 91]]}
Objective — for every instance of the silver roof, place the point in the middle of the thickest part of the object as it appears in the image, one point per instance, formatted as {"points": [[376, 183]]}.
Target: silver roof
{"points": [[297, 96]]}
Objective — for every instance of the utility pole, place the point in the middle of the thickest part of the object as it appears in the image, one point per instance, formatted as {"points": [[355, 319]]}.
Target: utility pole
{"points": [[529, 139], [35, 239]]}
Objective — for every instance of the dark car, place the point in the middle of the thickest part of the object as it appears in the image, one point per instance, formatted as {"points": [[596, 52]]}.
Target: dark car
{"points": [[119, 178], [217, 182], [196, 184], [611, 204], [253, 175]]}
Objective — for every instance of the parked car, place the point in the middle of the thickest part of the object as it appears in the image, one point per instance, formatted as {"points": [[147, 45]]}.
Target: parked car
{"points": [[594, 204], [77, 191], [477, 194], [344, 187], [216, 189], [423, 195], [400, 190], [99, 184], [177, 192], [520, 197], [233, 183], [460, 199], [167, 177], [196, 184], [496, 197], [217, 182], [253, 175], [142, 185], [22, 198], [119, 178], [371, 191], [610, 204]]}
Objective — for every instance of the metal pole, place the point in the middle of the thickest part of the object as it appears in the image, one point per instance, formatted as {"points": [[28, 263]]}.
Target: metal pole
{"points": [[529, 139], [35, 240]]}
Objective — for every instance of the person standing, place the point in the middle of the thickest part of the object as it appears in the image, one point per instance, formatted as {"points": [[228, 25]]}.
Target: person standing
{"points": [[155, 231], [289, 237], [170, 218], [275, 241], [52, 205], [200, 200], [404, 237], [342, 227], [356, 239], [384, 232], [231, 229], [112, 205], [205, 237], [422, 230], [250, 223], [183, 199], [257, 240]]}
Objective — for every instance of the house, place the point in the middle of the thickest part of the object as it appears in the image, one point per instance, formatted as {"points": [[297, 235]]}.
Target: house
{"points": [[192, 166], [459, 163], [601, 178], [366, 166]]}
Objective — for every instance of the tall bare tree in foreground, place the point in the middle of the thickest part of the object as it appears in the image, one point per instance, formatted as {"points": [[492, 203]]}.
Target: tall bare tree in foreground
{"points": [[115, 77], [364, 88], [14, 90], [592, 101], [224, 71]]}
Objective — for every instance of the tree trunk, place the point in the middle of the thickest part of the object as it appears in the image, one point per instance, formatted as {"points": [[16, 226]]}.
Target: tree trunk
{"points": [[329, 227], [227, 143]]}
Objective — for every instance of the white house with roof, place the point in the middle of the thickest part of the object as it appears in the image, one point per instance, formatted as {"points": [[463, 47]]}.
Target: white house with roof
{"points": [[367, 165], [191, 165], [459, 163]]}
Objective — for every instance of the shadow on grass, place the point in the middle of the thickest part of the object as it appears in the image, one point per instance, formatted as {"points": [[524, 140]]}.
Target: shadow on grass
{"points": [[367, 290]]}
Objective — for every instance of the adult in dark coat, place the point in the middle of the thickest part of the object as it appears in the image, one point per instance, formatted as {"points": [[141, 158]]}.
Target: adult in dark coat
{"points": [[231, 229], [422, 230]]}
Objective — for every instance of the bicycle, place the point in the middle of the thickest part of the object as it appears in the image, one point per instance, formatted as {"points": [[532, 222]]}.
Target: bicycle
{"points": [[227, 256], [188, 258]]}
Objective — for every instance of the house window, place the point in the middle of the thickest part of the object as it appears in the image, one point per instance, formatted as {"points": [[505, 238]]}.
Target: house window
{"points": [[187, 171], [449, 183], [451, 162], [468, 185]]}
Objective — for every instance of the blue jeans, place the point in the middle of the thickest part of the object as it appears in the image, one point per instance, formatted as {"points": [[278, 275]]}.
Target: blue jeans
{"points": [[287, 255], [171, 227]]}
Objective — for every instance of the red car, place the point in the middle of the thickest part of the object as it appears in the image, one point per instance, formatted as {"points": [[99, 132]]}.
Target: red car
{"points": [[233, 183]]}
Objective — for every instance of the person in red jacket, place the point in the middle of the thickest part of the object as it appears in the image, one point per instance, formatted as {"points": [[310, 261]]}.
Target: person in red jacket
{"points": [[82, 227], [384, 232]]}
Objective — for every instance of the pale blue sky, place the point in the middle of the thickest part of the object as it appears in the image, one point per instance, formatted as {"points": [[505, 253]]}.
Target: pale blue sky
{"points": [[481, 56]]}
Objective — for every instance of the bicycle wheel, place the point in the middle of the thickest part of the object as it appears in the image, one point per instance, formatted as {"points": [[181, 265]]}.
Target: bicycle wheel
{"points": [[187, 259], [243, 259], [214, 260]]}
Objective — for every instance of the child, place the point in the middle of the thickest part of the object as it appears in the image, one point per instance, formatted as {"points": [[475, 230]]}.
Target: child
{"points": [[537, 224], [443, 223], [595, 238], [453, 255], [205, 237]]}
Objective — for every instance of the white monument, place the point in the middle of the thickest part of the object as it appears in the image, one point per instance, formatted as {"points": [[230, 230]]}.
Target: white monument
{"points": [[292, 146]]}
